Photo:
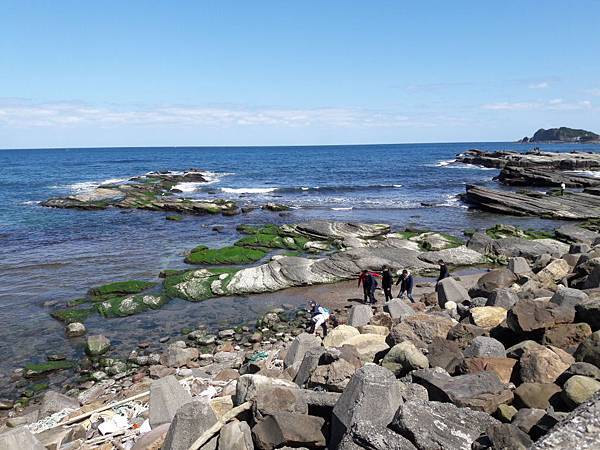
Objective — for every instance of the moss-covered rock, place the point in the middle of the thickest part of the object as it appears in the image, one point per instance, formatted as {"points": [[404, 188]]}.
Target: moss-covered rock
{"points": [[501, 231], [121, 288], [33, 369], [75, 314], [197, 285], [174, 218], [129, 305], [225, 255]]}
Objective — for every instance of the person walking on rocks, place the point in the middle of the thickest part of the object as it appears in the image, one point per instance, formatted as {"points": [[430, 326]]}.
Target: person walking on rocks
{"points": [[444, 272], [319, 317], [406, 285], [386, 283], [563, 186], [369, 283]]}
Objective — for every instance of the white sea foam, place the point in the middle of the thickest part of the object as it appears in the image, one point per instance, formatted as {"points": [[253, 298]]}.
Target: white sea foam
{"points": [[88, 186], [342, 209], [31, 202], [445, 162], [397, 185], [305, 189], [248, 190], [190, 186]]}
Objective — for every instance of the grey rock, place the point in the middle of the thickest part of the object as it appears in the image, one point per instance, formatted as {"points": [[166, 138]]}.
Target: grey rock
{"points": [[502, 297], [359, 315], [485, 347], [372, 397], [503, 436], [319, 399], [178, 355], [494, 279], [589, 312], [20, 439], [309, 363], [75, 329], [399, 309], [580, 368], [519, 266], [236, 436], [404, 357], [166, 397], [289, 429], [577, 431], [190, 421], [299, 347], [576, 234], [440, 426], [532, 315], [445, 354], [464, 333], [53, 402], [248, 385], [271, 399], [372, 437], [526, 418], [413, 391], [97, 345], [481, 391], [450, 290], [589, 350], [568, 297]]}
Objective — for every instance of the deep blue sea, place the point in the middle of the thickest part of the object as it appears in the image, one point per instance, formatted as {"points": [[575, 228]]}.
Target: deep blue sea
{"points": [[53, 255]]}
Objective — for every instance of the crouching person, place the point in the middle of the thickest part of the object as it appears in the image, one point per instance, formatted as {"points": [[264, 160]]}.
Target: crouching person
{"points": [[319, 317]]}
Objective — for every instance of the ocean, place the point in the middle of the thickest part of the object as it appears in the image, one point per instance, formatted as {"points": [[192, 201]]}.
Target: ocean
{"points": [[49, 255]]}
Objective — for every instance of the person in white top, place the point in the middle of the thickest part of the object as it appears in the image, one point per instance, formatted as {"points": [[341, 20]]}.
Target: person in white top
{"points": [[320, 316]]}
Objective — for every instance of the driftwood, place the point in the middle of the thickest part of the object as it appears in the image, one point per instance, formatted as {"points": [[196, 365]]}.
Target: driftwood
{"points": [[229, 415]]}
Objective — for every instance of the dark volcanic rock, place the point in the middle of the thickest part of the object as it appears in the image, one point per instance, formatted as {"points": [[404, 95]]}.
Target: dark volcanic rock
{"points": [[503, 436], [526, 176]]}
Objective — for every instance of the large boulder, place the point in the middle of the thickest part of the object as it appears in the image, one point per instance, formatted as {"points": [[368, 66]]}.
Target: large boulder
{"points": [[554, 272], [579, 389], [20, 439], [435, 425], [579, 430], [271, 398], [503, 367], [248, 386], [166, 397], [236, 436], [482, 391], [372, 396], [399, 309], [589, 350], [494, 279], [464, 333], [333, 377], [402, 332], [543, 364], [339, 335], [368, 346], [519, 266], [504, 298], [359, 315], [190, 422], [373, 437], [404, 357], [97, 345], [535, 395], [178, 354], [309, 364], [429, 326], [526, 418], [503, 436], [567, 336], [292, 429], [533, 315], [450, 290], [487, 316], [445, 354], [299, 346], [588, 311], [485, 347], [568, 297], [53, 402]]}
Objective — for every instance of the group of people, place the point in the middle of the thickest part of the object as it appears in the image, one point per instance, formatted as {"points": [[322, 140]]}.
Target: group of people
{"points": [[320, 315], [369, 282]]}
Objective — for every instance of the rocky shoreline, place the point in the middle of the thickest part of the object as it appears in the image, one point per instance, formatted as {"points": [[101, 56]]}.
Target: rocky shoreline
{"points": [[154, 191], [507, 359], [534, 170]]}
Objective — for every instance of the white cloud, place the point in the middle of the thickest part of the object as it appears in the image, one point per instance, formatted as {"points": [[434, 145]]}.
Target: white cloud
{"points": [[21, 113], [556, 104], [540, 85], [595, 92]]}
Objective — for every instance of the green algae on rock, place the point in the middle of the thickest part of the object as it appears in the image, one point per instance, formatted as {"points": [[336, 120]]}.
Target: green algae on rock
{"points": [[73, 314], [197, 285], [501, 231], [129, 305], [121, 288], [33, 369], [233, 255]]}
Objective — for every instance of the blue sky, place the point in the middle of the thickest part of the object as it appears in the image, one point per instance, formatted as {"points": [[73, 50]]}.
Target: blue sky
{"points": [[137, 73]]}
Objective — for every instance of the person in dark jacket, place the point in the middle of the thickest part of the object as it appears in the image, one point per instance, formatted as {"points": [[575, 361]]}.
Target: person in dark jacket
{"points": [[444, 272], [369, 283], [406, 285], [386, 283]]}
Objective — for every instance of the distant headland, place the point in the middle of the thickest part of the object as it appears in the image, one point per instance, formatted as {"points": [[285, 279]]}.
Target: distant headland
{"points": [[563, 134]]}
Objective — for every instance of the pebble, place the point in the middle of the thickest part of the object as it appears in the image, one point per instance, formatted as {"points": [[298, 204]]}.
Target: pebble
{"points": [[143, 345], [56, 357], [164, 339]]}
